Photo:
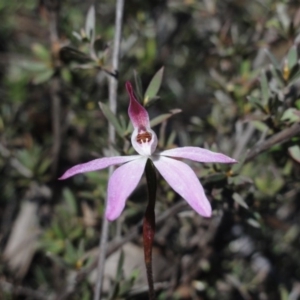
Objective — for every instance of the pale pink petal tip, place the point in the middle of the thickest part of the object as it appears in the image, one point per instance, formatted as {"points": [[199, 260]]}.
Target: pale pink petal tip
{"points": [[121, 184], [199, 154], [137, 113], [97, 164], [185, 182]]}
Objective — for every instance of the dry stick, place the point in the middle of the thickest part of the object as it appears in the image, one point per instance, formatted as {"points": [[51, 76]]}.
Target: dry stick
{"points": [[113, 86], [55, 85], [278, 138]]}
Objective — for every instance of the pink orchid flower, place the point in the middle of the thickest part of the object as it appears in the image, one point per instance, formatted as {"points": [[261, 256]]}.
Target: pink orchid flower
{"points": [[144, 140]]}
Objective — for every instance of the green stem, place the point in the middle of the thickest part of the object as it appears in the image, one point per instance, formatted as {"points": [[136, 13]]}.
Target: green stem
{"points": [[149, 225]]}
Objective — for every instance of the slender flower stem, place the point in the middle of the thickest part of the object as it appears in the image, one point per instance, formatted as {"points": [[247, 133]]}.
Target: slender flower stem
{"points": [[113, 86], [149, 225]]}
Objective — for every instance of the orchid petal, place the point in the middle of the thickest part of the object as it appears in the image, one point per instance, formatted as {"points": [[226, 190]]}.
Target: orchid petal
{"points": [[198, 154], [137, 113], [97, 164], [185, 182], [121, 184]]}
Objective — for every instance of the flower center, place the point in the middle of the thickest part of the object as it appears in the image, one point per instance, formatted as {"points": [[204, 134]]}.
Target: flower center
{"points": [[144, 137]]}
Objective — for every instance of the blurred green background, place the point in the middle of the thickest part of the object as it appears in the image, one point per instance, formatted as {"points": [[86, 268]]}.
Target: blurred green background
{"points": [[231, 67]]}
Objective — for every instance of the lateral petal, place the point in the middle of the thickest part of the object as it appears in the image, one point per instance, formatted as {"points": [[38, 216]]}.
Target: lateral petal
{"points": [[97, 164], [198, 154], [185, 182], [121, 184]]}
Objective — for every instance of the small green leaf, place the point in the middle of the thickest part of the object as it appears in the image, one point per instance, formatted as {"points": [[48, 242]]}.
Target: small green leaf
{"points": [[253, 223], [41, 52], [43, 166], [264, 88], [112, 118], [164, 117], [292, 57], [43, 76], [70, 200], [260, 126], [154, 85], [294, 152], [255, 101], [284, 294], [291, 115], [70, 253], [294, 72], [171, 138], [77, 35], [80, 251], [272, 59], [138, 85], [278, 74], [120, 266], [34, 66], [238, 199], [90, 24]]}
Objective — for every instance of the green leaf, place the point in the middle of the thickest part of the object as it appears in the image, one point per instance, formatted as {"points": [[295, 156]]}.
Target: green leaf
{"points": [[294, 73], [278, 74], [90, 24], [138, 85], [34, 66], [284, 294], [294, 152], [272, 59], [291, 115], [264, 88], [164, 117], [70, 200], [119, 272], [238, 199], [43, 166], [260, 126], [255, 101], [154, 85], [112, 118], [80, 251], [77, 35], [171, 138], [253, 223], [43, 76], [292, 57], [70, 253], [41, 52]]}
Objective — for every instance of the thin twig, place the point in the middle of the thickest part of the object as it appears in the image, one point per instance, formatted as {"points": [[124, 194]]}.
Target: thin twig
{"points": [[278, 138], [113, 86], [55, 84]]}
